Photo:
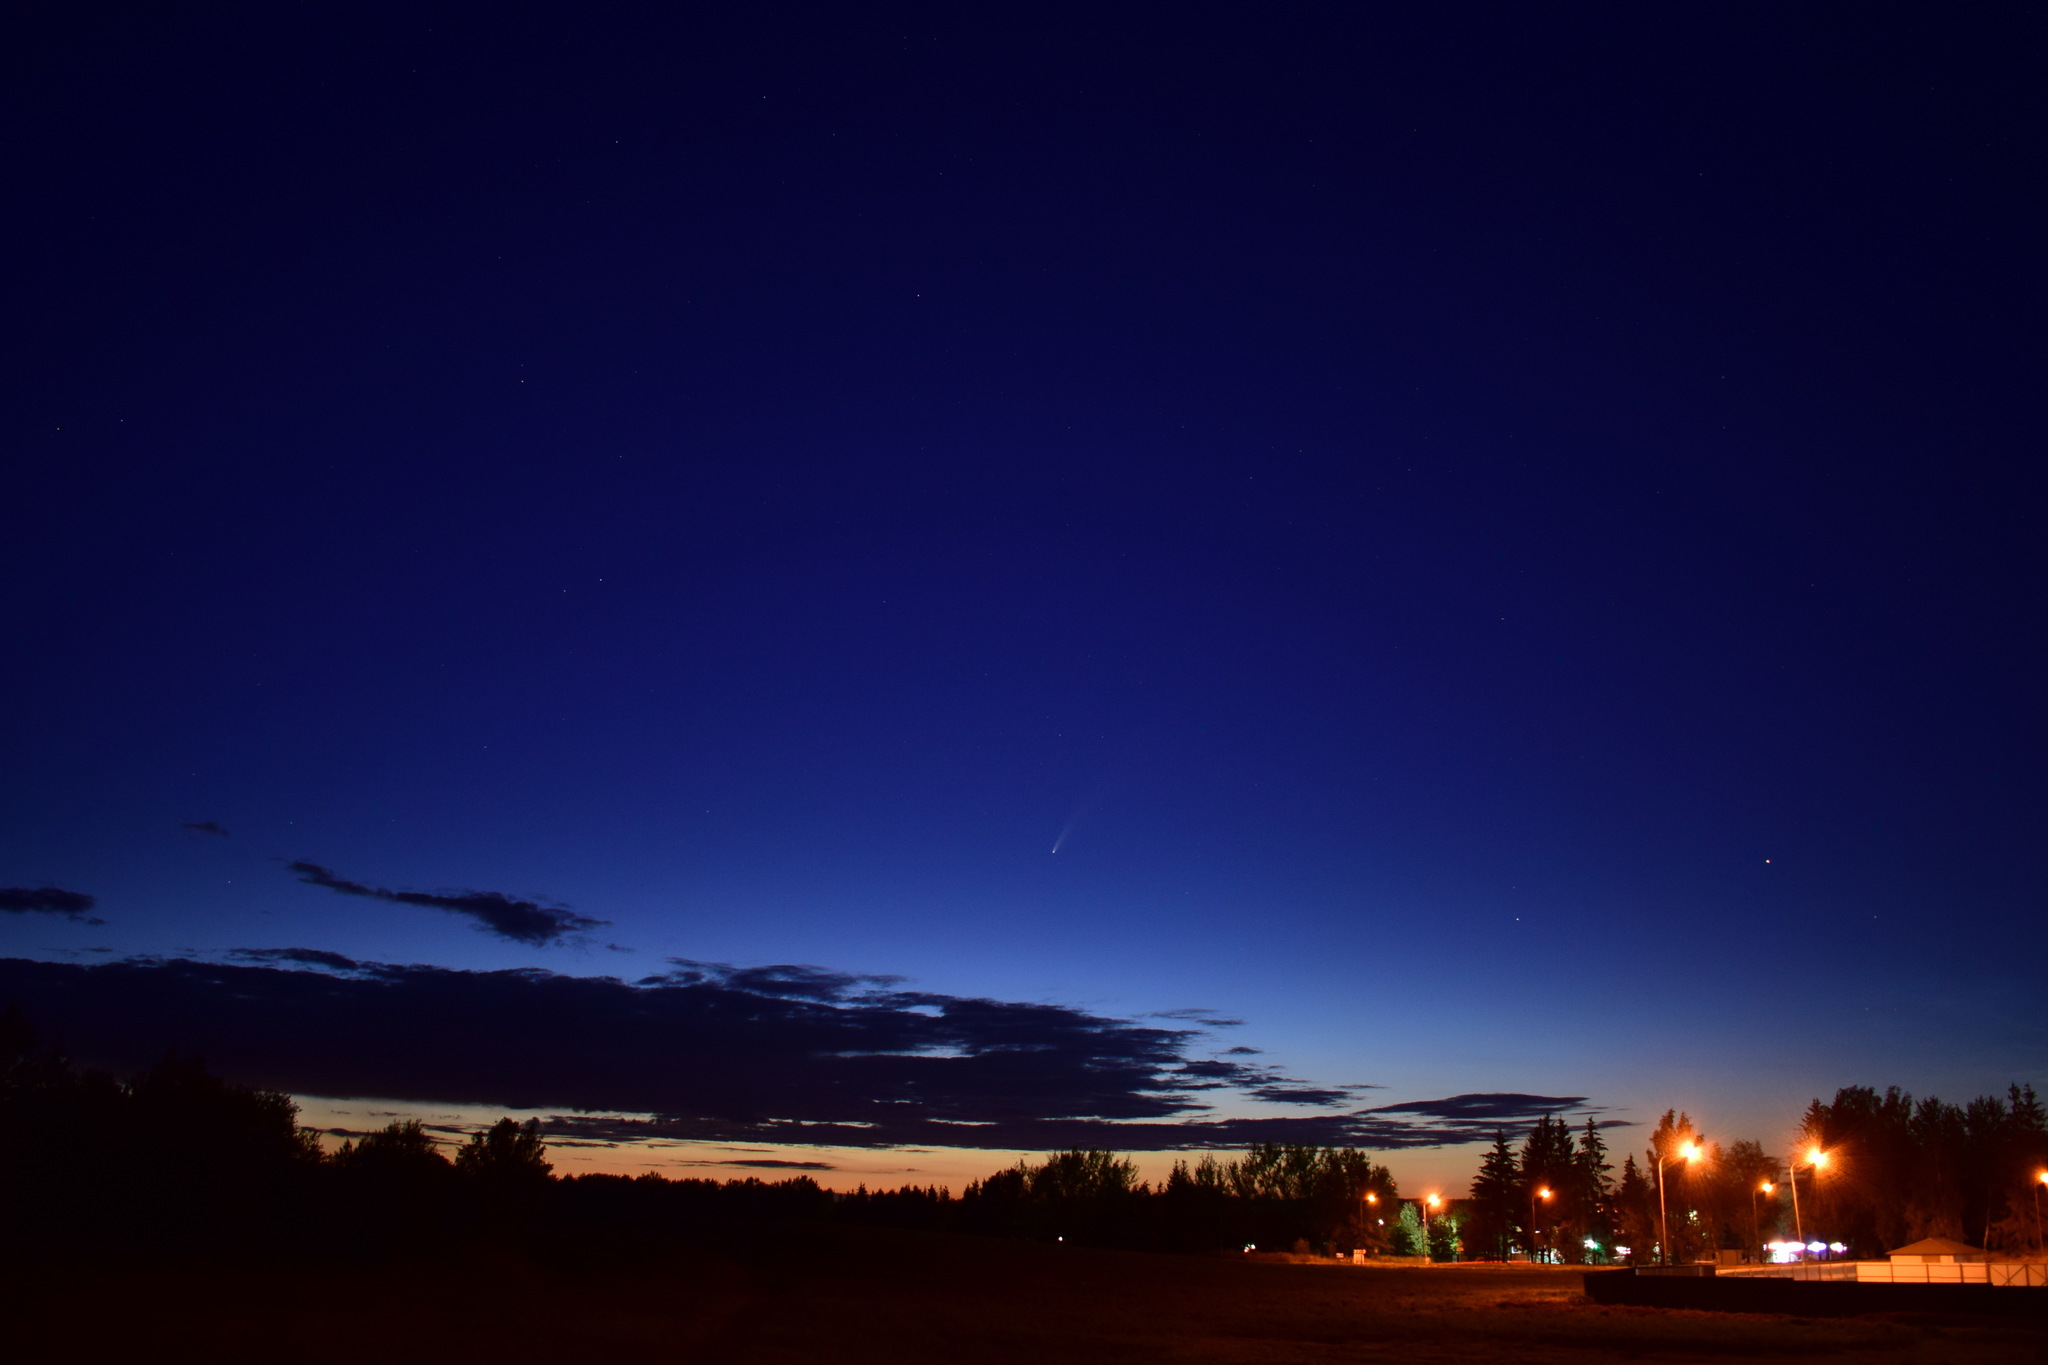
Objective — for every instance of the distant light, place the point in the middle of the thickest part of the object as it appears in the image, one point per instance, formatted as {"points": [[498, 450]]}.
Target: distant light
{"points": [[1767, 1187], [1543, 1194], [1621, 1251], [1818, 1158], [1837, 1247], [1592, 1245], [1816, 1247], [1251, 1246]]}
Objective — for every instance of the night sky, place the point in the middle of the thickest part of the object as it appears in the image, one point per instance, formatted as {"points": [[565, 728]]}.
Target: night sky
{"points": [[1111, 576]]}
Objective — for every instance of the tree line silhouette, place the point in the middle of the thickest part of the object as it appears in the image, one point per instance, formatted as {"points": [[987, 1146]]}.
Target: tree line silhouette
{"points": [[1891, 1170], [177, 1158]]}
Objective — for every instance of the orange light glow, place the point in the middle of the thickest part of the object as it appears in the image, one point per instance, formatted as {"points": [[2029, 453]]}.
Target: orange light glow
{"points": [[1767, 1187], [1543, 1194], [1434, 1201], [1818, 1158]]}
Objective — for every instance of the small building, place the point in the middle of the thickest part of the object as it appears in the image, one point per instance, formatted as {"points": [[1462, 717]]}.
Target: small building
{"points": [[1937, 1251]]}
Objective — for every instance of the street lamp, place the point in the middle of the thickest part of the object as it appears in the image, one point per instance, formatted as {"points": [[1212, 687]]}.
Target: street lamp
{"points": [[1543, 1194], [2040, 1179], [1427, 1205], [1815, 1158], [1689, 1151], [1756, 1232]]}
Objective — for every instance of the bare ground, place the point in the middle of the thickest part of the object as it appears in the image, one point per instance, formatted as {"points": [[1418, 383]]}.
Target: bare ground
{"points": [[831, 1295]]}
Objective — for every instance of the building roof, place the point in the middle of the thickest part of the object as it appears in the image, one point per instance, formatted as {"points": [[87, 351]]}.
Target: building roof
{"points": [[1937, 1246]]}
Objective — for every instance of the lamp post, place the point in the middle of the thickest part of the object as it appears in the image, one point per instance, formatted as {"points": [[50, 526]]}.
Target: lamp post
{"points": [[1689, 1151], [1427, 1205], [1534, 1195], [1756, 1231], [1817, 1159], [2040, 1179]]}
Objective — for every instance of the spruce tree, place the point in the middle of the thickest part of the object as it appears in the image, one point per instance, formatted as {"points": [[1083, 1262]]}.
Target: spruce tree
{"points": [[1494, 1195]]}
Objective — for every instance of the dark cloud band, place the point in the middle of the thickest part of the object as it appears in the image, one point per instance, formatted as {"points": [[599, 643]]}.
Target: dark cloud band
{"points": [[782, 1055], [46, 900], [494, 912]]}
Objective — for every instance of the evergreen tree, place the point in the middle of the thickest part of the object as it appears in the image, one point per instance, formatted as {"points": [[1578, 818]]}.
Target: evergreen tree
{"points": [[1635, 1213], [1589, 1218], [1495, 1193], [1546, 1166]]}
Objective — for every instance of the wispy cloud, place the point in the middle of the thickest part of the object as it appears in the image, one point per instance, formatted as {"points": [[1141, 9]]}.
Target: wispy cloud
{"points": [[777, 1055], [769, 1164], [1485, 1109], [310, 957], [212, 827], [47, 900], [521, 921]]}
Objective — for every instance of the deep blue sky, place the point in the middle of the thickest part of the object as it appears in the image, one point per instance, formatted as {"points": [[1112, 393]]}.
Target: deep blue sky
{"points": [[1509, 542]]}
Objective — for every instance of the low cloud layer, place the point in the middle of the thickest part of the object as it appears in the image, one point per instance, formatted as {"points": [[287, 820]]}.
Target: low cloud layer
{"points": [[47, 900], [494, 912], [213, 827], [782, 1055]]}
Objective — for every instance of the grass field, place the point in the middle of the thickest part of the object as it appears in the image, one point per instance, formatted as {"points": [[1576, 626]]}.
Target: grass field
{"points": [[835, 1294]]}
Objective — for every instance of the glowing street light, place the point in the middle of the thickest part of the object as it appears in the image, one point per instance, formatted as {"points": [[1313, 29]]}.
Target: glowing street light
{"points": [[1815, 1158], [2040, 1179], [1427, 1205], [1688, 1152], [1534, 1195], [1756, 1232]]}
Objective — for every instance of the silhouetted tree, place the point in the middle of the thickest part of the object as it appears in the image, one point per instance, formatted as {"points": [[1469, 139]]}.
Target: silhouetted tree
{"points": [[506, 1151], [394, 1192], [1635, 1214], [1590, 1215], [1495, 1193], [1547, 1164]]}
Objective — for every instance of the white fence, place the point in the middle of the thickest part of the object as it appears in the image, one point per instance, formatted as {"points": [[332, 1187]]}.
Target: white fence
{"points": [[2017, 1274]]}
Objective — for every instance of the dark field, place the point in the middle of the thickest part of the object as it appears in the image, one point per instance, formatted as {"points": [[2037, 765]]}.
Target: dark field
{"points": [[838, 1294]]}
